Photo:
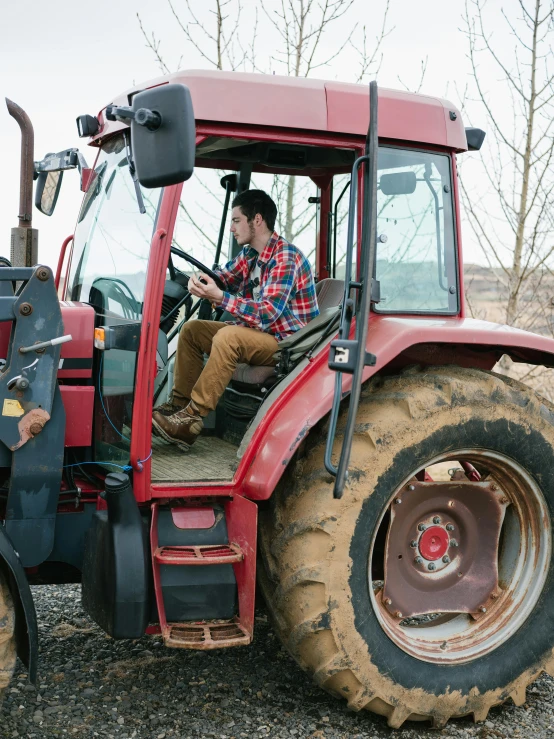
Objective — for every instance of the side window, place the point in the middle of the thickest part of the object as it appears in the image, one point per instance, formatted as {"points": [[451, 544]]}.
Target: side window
{"points": [[340, 205], [199, 218], [296, 216], [201, 207], [416, 259]]}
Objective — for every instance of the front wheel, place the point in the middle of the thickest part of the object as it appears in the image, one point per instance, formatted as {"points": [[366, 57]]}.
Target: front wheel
{"points": [[426, 592], [7, 636]]}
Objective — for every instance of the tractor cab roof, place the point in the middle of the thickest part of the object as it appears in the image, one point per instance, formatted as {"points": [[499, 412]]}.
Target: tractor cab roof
{"points": [[309, 105]]}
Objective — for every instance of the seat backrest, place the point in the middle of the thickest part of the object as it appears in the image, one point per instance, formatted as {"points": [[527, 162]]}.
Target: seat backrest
{"points": [[329, 293]]}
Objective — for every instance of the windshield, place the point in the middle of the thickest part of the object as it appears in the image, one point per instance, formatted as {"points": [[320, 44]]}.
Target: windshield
{"points": [[112, 238], [108, 270]]}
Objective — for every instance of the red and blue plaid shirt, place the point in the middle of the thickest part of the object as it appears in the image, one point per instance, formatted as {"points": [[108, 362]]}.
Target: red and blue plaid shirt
{"points": [[287, 298]]}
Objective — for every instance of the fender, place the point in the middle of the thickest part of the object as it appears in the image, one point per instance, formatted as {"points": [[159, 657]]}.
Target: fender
{"points": [[26, 628], [397, 341]]}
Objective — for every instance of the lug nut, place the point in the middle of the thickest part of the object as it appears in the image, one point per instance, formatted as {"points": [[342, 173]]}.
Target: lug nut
{"points": [[411, 487], [418, 560], [431, 566], [493, 486], [398, 500], [421, 527], [446, 559], [388, 602], [436, 519], [449, 527], [482, 609], [413, 544], [398, 614], [453, 543]]}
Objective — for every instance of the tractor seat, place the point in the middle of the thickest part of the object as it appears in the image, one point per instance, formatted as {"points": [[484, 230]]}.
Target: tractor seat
{"points": [[329, 295]]}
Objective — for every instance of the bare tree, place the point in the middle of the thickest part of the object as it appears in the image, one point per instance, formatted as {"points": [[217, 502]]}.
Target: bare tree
{"points": [[219, 44], [301, 25], [516, 231], [300, 29]]}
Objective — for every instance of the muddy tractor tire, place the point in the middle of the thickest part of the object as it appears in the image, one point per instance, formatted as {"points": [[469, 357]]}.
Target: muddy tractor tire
{"points": [[413, 596], [7, 636]]}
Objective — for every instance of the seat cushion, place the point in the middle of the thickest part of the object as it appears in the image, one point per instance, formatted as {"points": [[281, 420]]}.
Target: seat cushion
{"points": [[329, 295], [253, 374]]}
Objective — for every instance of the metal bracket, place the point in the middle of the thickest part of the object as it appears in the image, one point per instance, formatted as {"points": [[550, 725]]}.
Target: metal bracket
{"points": [[343, 354]]}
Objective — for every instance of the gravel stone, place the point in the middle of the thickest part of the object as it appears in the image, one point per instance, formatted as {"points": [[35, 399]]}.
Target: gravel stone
{"points": [[92, 686]]}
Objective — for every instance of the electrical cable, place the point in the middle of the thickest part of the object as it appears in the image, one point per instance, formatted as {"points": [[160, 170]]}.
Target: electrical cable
{"points": [[127, 467]]}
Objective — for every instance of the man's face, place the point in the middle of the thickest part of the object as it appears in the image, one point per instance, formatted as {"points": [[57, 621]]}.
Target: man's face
{"points": [[242, 229]]}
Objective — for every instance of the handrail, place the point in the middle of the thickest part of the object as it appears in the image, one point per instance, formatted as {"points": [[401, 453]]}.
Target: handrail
{"points": [[350, 355], [61, 258]]}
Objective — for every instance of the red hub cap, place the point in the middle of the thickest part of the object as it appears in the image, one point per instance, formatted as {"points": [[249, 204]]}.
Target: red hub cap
{"points": [[434, 543]]}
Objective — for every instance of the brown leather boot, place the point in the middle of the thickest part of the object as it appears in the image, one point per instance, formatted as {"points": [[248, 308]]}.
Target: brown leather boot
{"points": [[181, 428], [169, 407]]}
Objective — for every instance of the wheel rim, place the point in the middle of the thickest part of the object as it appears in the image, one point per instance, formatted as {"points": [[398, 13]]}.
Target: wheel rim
{"points": [[523, 557]]}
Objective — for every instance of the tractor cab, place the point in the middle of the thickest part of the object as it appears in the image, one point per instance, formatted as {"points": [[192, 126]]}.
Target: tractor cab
{"points": [[309, 177]]}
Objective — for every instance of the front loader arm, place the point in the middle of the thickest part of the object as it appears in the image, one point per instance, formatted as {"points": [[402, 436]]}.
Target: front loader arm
{"points": [[32, 418]]}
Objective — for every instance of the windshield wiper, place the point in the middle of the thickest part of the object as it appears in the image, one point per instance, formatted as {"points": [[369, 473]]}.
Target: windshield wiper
{"points": [[133, 173]]}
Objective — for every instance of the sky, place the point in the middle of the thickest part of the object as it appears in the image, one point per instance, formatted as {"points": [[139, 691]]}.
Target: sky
{"points": [[62, 59]]}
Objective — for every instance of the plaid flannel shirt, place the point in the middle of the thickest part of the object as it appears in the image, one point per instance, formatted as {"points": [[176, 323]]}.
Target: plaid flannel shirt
{"points": [[287, 291]]}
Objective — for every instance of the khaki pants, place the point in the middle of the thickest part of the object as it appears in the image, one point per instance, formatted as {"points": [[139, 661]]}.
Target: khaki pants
{"points": [[227, 347]]}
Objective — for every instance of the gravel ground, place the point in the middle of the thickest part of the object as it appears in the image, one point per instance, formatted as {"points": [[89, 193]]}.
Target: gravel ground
{"points": [[92, 686]]}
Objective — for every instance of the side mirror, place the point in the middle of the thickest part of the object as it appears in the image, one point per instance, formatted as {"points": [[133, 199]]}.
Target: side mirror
{"points": [[398, 183], [163, 135], [47, 191]]}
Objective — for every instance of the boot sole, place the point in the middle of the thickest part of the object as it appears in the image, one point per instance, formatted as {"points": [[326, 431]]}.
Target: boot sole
{"points": [[178, 442]]}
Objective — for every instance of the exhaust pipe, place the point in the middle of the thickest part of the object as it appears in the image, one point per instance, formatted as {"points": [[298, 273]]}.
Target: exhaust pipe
{"points": [[24, 240]]}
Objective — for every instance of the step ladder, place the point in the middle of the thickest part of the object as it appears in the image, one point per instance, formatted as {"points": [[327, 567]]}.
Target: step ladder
{"points": [[241, 519]]}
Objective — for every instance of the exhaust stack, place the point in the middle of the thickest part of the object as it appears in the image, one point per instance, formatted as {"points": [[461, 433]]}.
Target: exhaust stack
{"points": [[24, 240]]}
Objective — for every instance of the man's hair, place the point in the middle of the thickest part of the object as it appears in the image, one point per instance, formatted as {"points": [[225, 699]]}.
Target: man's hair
{"points": [[257, 201]]}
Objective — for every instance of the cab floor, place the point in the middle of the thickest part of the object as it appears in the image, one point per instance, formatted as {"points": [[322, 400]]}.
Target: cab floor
{"points": [[210, 458]]}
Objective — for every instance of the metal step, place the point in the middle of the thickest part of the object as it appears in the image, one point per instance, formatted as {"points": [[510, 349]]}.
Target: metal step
{"points": [[212, 554], [206, 635], [241, 517]]}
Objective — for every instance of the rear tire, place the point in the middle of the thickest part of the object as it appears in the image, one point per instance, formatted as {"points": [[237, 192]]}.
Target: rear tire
{"points": [[317, 551]]}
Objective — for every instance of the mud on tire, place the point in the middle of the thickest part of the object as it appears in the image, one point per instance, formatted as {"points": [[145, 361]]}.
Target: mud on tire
{"points": [[7, 636], [315, 550]]}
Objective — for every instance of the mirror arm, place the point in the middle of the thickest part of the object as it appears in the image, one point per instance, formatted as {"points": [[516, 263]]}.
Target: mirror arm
{"points": [[150, 119], [67, 159]]}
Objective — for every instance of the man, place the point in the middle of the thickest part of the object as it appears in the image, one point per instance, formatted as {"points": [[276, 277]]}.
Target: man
{"points": [[269, 290]]}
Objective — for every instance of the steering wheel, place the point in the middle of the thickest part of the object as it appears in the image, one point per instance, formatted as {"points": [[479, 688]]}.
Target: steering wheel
{"points": [[202, 267]]}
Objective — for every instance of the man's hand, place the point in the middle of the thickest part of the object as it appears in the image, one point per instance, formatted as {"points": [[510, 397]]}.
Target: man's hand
{"points": [[202, 286]]}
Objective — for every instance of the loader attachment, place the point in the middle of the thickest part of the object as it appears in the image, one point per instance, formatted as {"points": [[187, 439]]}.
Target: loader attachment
{"points": [[30, 401]]}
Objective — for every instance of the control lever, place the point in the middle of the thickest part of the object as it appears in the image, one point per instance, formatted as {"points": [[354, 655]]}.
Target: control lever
{"points": [[45, 344]]}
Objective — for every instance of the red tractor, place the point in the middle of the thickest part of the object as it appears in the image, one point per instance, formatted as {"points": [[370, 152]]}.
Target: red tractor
{"points": [[396, 493]]}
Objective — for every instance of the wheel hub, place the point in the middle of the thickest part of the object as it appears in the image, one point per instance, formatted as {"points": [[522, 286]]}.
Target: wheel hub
{"points": [[434, 543], [441, 553]]}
